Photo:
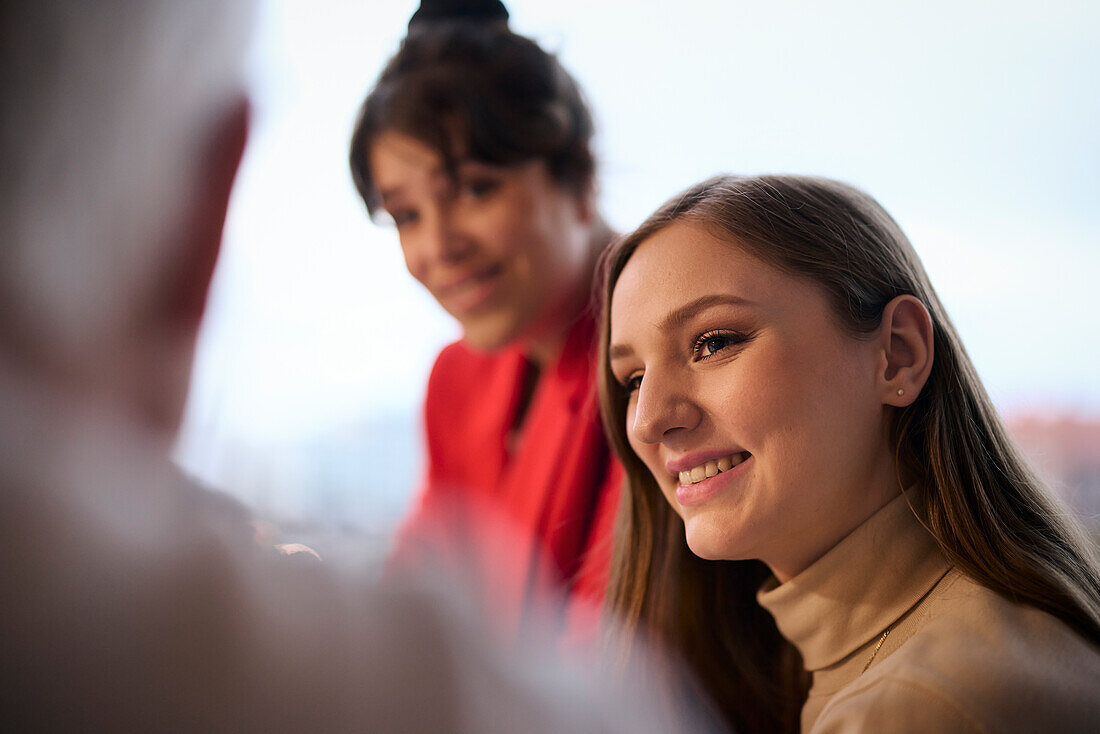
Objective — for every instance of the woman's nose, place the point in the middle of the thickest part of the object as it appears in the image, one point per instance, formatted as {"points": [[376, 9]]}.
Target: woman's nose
{"points": [[663, 408], [445, 239], [436, 241]]}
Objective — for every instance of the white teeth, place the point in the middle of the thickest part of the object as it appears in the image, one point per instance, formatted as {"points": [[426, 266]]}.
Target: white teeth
{"points": [[711, 468]]}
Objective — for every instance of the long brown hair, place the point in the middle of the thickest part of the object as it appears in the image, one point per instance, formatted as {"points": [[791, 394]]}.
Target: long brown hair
{"points": [[989, 513]]}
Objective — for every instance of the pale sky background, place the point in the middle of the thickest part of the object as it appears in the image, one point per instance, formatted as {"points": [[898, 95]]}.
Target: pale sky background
{"points": [[977, 125]]}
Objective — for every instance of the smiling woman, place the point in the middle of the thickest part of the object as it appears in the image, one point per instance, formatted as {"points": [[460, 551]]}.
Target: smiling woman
{"points": [[787, 393], [477, 144], [504, 249], [748, 365]]}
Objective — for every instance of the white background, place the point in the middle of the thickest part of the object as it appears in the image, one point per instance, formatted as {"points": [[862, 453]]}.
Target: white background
{"points": [[974, 123]]}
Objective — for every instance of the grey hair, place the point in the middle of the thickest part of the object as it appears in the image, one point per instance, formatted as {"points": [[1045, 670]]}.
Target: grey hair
{"points": [[103, 105]]}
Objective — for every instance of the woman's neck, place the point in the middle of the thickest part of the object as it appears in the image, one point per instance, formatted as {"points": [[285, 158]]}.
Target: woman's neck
{"points": [[545, 343], [877, 488]]}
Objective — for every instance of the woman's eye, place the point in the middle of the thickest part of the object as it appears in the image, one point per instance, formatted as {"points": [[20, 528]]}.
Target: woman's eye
{"points": [[715, 344], [403, 217], [631, 384], [712, 342], [478, 188]]}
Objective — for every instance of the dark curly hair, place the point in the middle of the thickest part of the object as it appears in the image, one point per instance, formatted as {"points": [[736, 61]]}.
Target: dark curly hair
{"points": [[478, 90]]}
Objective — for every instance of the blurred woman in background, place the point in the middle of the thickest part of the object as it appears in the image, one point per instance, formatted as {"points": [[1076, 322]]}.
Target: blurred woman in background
{"points": [[477, 144], [788, 395]]}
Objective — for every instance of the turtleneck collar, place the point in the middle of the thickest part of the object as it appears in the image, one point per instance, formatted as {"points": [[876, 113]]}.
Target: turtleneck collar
{"points": [[858, 589]]}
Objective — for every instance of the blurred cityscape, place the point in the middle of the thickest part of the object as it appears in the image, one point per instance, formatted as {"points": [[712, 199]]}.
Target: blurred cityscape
{"points": [[348, 491], [343, 491], [1065, 451]]}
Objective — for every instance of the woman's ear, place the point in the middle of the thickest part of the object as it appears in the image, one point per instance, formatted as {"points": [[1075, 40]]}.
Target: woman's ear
{"points": [[907, 350], [586, 197]]}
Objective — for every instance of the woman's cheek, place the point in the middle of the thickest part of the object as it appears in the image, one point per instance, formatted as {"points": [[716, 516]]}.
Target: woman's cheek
{"points": [[668, 489], [738, 401]]}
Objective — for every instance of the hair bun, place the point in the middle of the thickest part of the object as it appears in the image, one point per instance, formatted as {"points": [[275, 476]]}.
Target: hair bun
{"points": [[441, 11]]}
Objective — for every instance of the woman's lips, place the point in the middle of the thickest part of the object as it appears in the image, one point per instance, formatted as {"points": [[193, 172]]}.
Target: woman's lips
{"points": [[711, 467], [696, 492], [469, 292]]}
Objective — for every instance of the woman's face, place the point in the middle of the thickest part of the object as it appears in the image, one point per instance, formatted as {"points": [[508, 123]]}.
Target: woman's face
{"points": [[504, 250], [758, 416]]}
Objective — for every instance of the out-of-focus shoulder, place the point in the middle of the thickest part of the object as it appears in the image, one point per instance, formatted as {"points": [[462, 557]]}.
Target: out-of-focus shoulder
{"points": [[456, 365], [462, 375]]}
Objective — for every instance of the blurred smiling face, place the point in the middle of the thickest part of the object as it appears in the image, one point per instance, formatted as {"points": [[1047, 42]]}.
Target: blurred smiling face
{"points": [[503, 249], [759, 417]]}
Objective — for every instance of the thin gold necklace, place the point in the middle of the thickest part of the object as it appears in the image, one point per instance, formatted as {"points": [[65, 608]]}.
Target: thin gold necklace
{"points": [[875, 651]]}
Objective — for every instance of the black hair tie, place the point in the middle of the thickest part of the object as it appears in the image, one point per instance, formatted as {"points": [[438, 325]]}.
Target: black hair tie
{"points": [[477, 11]]}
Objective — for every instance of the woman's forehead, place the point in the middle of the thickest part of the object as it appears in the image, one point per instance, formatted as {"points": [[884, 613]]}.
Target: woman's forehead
{"points": [[686, 257], [685, 269], [393, 154]]}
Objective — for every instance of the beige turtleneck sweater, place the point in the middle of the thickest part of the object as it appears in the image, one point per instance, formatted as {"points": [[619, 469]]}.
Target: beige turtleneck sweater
{"points": [[956, 656]]}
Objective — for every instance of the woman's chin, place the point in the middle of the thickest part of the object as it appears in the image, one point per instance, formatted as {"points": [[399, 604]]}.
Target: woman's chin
{"points": [[705, 543], [488, 334]]}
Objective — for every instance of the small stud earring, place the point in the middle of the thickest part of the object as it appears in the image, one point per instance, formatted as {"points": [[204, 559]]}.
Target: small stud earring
{"points": [[900, 392]]}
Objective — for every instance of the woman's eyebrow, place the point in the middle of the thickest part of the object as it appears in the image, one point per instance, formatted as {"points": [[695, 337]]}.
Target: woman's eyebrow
{"points": [[468, 162], [618, 351], [681, 315], [387, 196]]}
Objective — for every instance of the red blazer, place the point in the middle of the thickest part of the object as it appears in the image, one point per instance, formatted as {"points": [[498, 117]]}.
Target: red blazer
{"points": [[531, 516]]}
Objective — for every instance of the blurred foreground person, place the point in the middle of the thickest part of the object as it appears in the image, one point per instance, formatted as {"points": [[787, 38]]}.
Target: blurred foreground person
{"points": [[133, 600], [478, 144]]}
